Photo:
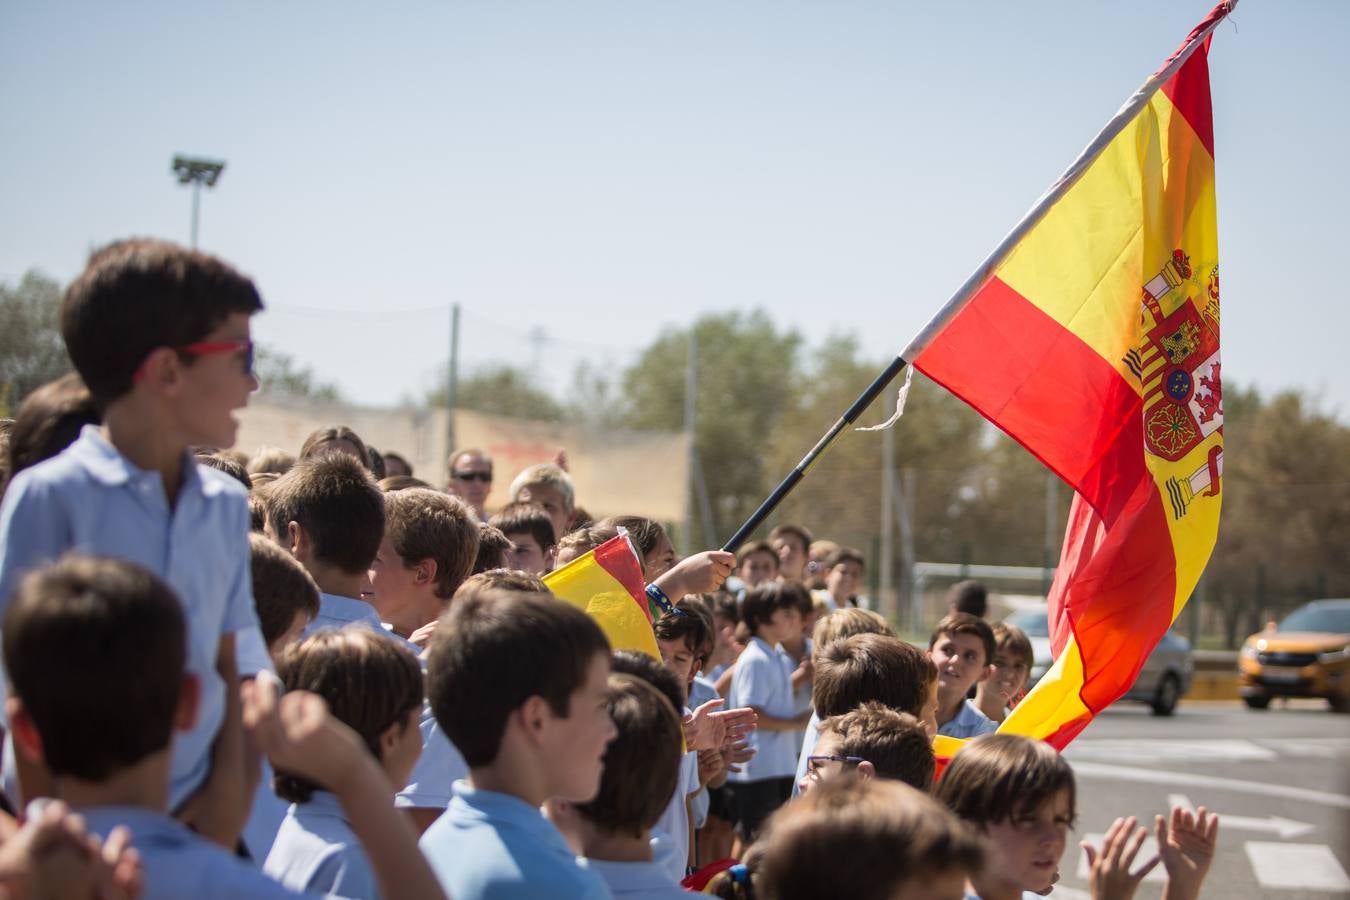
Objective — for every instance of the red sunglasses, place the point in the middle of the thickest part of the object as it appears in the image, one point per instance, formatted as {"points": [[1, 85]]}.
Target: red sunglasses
{"points": [[203, 348]]}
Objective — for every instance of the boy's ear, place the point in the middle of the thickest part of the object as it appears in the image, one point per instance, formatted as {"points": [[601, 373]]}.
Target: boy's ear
{"points": [[534, 714], [296, 540], [867, 770], [189, 700], [426, 571], [985, 673], [27, 741], [161, 368]]}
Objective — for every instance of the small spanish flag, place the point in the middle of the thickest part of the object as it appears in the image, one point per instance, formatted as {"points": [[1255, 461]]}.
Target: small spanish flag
{"points": [[607, 584]]}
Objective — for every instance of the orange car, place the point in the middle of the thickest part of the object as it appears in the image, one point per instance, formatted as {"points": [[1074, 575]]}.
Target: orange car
{"points": [[1306, 655]]}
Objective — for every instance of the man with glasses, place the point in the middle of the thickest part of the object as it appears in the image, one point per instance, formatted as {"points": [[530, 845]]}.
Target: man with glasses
{"points": [[471, 479]]}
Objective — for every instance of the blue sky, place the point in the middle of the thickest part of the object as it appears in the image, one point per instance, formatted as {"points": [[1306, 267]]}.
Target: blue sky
{"points": [[591, 172]]}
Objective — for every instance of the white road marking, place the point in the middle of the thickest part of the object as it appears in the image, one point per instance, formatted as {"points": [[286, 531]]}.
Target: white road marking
{"points": [[1193, 780], [1308, 867], [1169, 750], [1147, 851], [1285, 828]]}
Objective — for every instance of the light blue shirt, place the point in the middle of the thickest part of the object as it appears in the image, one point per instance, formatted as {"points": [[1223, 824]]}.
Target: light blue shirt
{"points": [[180, 865], [637, 880], [700, 692], [316, 850], [431, 785], [670, 834], [264, 818], [969, 723], [808, 747], [92, 499], [336, 611], [493, 846], [763, 679], [441, 764]]}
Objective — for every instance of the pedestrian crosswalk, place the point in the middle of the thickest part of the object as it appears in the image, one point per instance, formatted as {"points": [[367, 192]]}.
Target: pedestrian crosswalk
{"points": [[1218, 750]]}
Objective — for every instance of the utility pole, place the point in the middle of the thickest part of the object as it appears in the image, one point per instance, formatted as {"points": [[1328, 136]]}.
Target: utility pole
{"points": [[452, 383], [197, 171], [1051, 528], [690, 427]]}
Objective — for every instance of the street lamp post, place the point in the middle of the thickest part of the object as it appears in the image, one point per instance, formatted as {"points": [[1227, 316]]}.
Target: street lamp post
{"points": [[197, 172]]}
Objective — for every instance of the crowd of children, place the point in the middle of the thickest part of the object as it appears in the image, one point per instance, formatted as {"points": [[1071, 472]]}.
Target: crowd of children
{"points": [[319, 674]]}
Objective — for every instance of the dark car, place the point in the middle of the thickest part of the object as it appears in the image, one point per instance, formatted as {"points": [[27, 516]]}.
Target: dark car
{"points": [[1162, 682]]}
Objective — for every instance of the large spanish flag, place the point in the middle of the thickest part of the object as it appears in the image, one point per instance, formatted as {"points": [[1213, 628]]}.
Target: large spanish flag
{"points": [[607, 584], [1091, 337]]}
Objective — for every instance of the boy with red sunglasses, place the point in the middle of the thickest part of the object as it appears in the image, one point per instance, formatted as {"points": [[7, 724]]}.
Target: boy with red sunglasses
{"points": [[160, 335]]}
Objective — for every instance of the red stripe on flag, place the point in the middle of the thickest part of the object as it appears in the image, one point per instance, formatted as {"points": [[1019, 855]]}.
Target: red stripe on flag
{"points": [[1033, 377], [1189, 92], [1115, 587], [616, 557]]}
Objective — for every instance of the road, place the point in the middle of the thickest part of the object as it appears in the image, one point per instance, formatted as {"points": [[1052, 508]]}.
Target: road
{"points": [[1279, 780]]}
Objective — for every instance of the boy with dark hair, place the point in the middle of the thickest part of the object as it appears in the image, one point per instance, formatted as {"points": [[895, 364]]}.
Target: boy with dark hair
{"points": [[873, 741], [374, 686], [160, 336], [519, 683], [866, 840], [48, 421], [763, 682], [792, 543], [1009, 671], [287, 600], [396, 465], [336, 439], [492, 549], [429, 546], [642, 765], [962, 646], [284, 595], [95, 651], [530, 530], [874, 667], [843, 577], [756, 563], [328, 512], [969, 596], [222, 463]]}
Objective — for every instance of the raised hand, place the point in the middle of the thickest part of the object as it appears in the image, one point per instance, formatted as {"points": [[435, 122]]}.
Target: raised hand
{"points": [[709, 729], [1111, 878], [1186, 845]]}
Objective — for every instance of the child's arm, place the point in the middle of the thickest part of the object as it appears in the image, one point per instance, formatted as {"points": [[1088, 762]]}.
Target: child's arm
{"points": [[774, 723], [220, 807], [804, 672], [1186, 846], [696, 574], [301, 738], [1111, 878]]}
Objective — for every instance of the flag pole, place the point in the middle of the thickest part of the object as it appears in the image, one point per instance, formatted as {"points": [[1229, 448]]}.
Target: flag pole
{"points": [[981, 274], [797, 474]]}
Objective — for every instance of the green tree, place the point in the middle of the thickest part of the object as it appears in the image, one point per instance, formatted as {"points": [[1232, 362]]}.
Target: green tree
{"points": [[281, 377], [31, 350], [1286, 510], [504, 391], [746, 370]]}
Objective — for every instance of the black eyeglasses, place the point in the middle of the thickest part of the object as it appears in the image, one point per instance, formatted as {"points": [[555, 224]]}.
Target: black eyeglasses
{"points": [[472, 476], [813, 763]]}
